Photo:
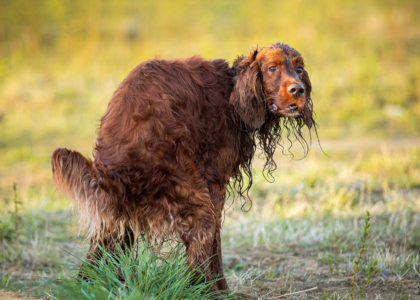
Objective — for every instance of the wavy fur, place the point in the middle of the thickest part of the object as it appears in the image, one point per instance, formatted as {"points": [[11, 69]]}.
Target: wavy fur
{"points": [[175, 136]]}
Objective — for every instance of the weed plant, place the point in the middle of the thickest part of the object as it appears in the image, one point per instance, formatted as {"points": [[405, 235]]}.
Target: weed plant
{"points": [[371, 270]]}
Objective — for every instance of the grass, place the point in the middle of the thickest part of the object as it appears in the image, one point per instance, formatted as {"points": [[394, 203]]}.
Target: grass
{"points": [[147, 275], [303, 231]]}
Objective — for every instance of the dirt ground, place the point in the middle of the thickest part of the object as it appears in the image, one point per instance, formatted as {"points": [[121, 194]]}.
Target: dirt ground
{"points": [[6, 295], [300, 270]]}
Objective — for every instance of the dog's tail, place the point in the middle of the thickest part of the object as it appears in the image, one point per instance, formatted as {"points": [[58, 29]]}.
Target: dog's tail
{"points": [[92, 190]]}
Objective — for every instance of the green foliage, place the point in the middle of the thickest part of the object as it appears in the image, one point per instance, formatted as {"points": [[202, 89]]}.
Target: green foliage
{"points": [[6, 281], [332, 260], [6, 231], [16, 217], [5, 228], [372, 270], [148, 276]]}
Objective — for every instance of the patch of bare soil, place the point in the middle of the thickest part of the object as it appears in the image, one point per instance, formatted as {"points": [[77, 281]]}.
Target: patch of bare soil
{"points": [[265, 273], [6, 295]]}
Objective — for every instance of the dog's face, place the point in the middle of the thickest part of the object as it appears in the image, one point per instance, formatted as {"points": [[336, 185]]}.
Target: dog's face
{"points": [[272, 80], [285, 81]]}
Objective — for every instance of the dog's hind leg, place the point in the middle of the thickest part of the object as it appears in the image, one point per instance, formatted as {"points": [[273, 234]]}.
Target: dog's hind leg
{"points": [[217, 262], [195, 225]]}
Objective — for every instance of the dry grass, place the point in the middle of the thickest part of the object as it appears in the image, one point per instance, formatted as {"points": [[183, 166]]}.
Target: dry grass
{"points": [[302, 231]]}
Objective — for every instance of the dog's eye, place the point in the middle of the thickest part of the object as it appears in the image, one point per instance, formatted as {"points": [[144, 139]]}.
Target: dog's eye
{"points": [[299, 70], [272, 69]]}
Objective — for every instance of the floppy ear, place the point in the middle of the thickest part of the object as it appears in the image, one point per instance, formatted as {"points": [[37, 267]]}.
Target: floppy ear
{"points": [[247, 95], [308, 109]]}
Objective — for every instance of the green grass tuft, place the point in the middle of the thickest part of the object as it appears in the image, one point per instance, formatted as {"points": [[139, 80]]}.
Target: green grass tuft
{"points": [[147, 275]]}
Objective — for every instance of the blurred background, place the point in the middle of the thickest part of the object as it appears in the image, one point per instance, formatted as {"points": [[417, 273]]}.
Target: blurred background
{"points": [[60, 62]]}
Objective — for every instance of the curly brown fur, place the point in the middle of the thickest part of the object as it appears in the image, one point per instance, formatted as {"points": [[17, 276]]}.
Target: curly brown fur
{"points": [[177, 136]]}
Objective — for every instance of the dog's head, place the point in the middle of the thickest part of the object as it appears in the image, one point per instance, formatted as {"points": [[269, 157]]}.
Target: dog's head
{"points": [[271, 82]]}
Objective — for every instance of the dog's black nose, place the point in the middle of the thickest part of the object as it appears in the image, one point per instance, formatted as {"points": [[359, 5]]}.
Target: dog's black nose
{"points": [[296, 90]]}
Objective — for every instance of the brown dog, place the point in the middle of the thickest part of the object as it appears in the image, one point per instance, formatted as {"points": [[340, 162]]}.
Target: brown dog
{"points": [[177, 136]]}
